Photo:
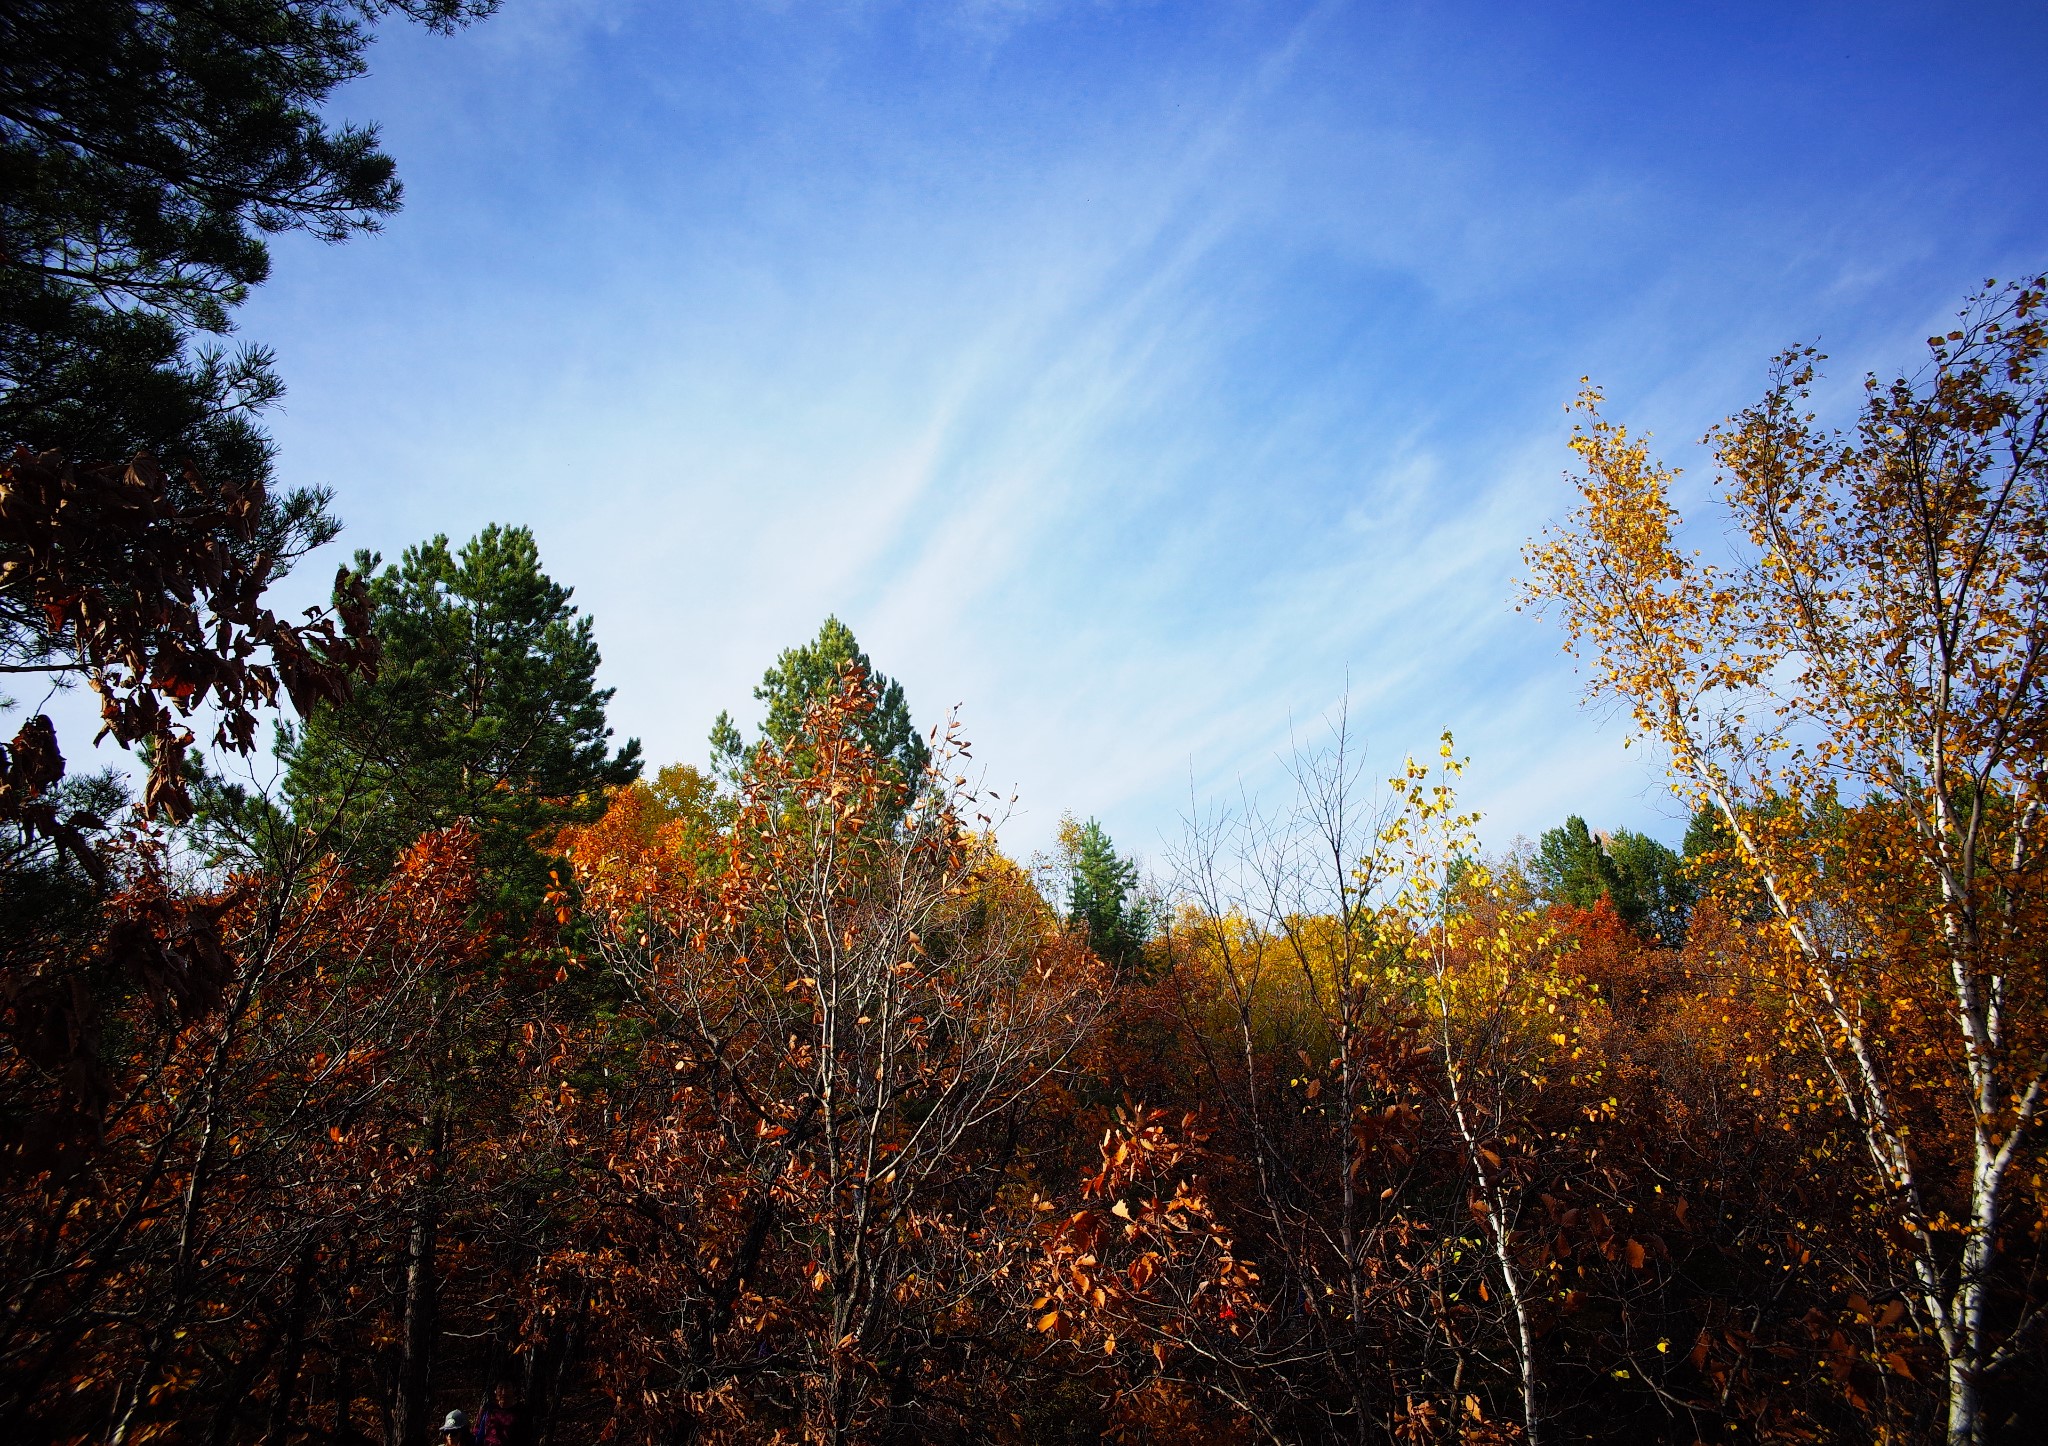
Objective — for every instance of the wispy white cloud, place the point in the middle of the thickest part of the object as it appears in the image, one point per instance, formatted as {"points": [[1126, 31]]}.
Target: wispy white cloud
{"points": [[1130, 375]]}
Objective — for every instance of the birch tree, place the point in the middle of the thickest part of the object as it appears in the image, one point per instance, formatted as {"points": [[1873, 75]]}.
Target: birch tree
{"points": [[1858, 695]]}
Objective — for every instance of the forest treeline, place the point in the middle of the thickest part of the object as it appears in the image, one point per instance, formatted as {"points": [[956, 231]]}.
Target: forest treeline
{"points": [[468, 1068]]}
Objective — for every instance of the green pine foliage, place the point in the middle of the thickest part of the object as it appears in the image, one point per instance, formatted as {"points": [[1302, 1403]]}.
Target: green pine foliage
{"points": [[1647, 883], [486, 708], [1103, 896], [52, 898], [146, 151], [1714, 863], [811, 671]]}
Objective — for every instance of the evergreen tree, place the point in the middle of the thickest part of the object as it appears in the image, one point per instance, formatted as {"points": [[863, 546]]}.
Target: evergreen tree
{"points": [[1570, 867], [486, 708], [52, 893], [1645, 881], [146, 149], [1657, 893], [811, 671], [1102, 896], [1717, 870]]}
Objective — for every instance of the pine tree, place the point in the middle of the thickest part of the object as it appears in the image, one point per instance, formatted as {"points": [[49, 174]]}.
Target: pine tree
{"points": [[486, 708], [1103, 897], [1645, 881], [146, 149], [800, 677], [1657, 893]]}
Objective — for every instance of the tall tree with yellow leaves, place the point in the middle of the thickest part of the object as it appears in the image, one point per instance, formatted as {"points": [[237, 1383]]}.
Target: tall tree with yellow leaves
{"points": [[1860, 698]]}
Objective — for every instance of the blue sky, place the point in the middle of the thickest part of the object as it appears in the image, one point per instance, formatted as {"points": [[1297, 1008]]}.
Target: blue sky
{"points": [[1136, 377]]}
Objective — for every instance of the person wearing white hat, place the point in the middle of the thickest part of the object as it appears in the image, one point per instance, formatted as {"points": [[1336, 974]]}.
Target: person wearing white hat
{"points": [[455, 1430]]}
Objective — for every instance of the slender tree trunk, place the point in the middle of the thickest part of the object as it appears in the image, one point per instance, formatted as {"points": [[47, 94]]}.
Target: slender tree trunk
{"points": [[233, 1393], [294, 1350], [840, 1381], [1965, 1405], [178, 1292], [1497, 1231], [1966, 1356], [344, 1388], [409, 1423], [568, 1341], [1493, 1198], [1348, 1219]]}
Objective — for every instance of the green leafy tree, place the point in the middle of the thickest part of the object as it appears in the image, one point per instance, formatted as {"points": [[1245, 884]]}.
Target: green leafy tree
{"points": [[1657, 894], [801, 676], [1570, 867], [146, 149], [1103, 897], [486, 708], [1646, 881]]}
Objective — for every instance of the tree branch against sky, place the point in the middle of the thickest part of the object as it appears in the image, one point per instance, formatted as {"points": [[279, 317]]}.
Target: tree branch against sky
{"points": [[1859, 698], [148, 150]]}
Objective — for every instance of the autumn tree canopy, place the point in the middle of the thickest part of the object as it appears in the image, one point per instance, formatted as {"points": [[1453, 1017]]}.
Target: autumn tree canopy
{"points": [[1858, 697], [769, 1101]]}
